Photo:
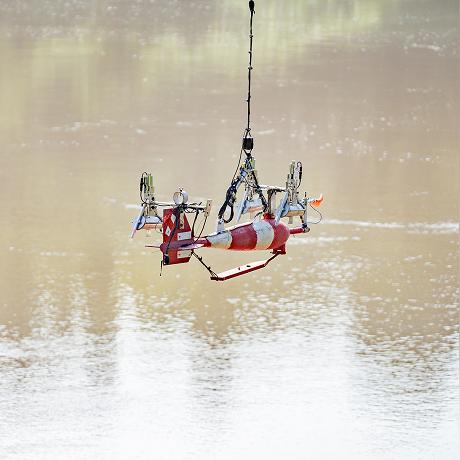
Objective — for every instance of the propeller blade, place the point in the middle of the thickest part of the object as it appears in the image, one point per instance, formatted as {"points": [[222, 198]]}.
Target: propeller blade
{"points": [[317, 201], [239, 212], [137, 221], [280, 209]]}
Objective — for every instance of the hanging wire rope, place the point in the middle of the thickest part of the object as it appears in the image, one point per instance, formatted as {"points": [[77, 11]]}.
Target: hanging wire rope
{"points": [[247, 169], [247, 135]]}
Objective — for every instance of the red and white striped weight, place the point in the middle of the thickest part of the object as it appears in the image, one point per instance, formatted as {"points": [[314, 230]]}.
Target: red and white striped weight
{"points": [[263, 234]]}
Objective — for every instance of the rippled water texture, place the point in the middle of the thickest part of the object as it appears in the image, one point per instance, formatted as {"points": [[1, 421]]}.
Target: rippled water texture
{"points": [[347, 347]]}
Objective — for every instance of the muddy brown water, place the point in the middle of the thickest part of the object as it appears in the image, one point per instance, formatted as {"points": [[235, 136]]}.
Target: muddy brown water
{"points": [[347, 347]]}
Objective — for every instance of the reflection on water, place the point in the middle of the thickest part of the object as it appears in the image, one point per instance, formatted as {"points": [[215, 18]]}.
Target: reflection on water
{"points": [[346, 347]]}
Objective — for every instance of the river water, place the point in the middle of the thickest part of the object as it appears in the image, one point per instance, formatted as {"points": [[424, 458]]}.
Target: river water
{"points": [[347, 347]]}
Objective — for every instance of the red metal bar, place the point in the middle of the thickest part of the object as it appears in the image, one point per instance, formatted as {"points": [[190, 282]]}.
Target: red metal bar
{"points": [[296, 230], [247, 268]]}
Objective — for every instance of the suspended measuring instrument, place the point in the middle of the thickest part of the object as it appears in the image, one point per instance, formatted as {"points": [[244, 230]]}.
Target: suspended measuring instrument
{"points": [[264, 231]]}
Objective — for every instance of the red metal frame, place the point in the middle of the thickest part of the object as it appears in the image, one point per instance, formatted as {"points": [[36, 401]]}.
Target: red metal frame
{"points": [[247, 268]]}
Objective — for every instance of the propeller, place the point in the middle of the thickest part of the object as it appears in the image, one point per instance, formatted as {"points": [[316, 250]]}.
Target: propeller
{"points": [[316, 201], [280, 209], [138, 220]]}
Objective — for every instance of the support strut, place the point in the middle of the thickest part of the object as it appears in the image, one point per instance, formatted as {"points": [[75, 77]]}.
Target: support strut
{"points": [[247, 268]]}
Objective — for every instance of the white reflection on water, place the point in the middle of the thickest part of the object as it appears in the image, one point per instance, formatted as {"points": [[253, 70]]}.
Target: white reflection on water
{"points": [[413, 227], [289, 376]]}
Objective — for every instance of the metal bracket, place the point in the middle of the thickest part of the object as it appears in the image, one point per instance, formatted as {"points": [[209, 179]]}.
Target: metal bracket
{"points": [[247, 268]]}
